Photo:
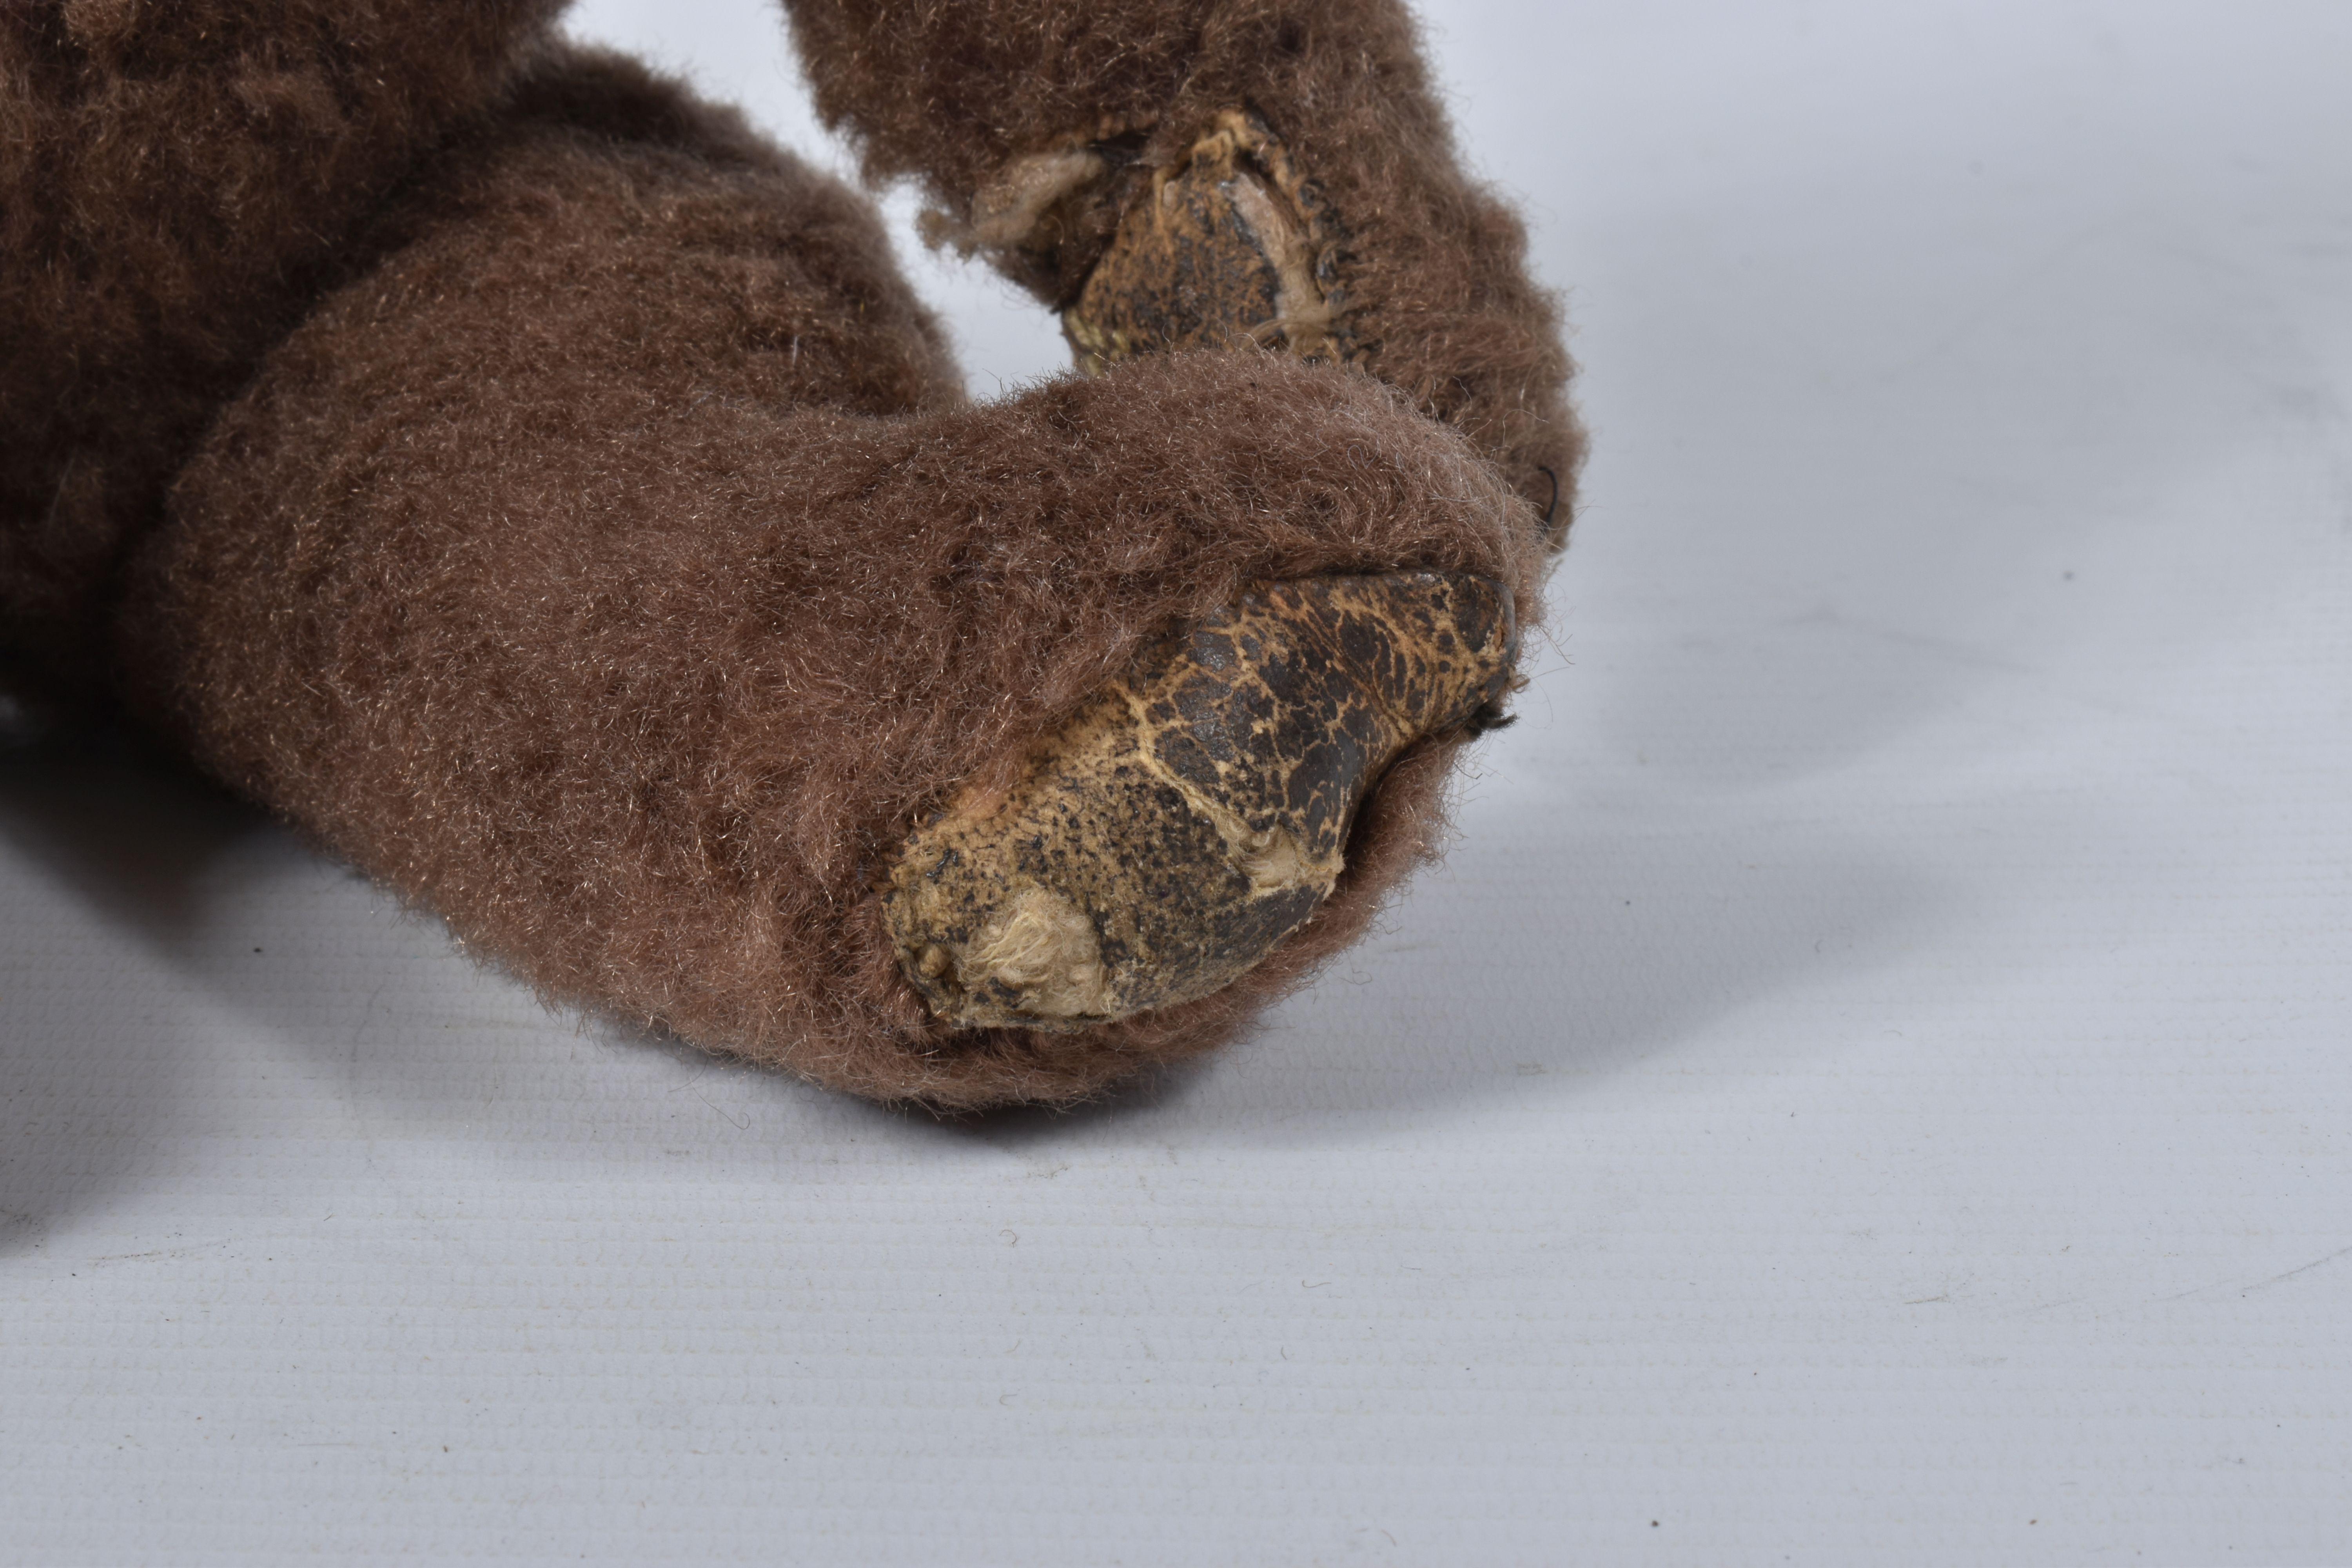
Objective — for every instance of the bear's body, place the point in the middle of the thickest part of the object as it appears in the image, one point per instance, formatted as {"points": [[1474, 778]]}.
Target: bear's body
{"points": [[548, 496]]}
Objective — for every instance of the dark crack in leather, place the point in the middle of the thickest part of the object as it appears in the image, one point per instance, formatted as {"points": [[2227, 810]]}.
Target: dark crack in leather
{"points": [[1196, 812]]}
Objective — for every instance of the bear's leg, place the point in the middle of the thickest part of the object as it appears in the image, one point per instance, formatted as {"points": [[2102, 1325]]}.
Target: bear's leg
{"points": [[1182, 173], [617, 569]]}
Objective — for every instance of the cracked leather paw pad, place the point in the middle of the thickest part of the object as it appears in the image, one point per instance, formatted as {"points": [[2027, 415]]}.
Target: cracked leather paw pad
{"points": [[1230, 246], [1195, 813]]}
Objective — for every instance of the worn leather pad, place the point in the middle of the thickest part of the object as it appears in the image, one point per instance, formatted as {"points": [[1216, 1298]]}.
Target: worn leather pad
{"points": [[1196, 812], [1230, 246]]}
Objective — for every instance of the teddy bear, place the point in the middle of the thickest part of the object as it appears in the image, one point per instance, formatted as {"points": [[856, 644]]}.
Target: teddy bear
{"points": [[547, 495]]}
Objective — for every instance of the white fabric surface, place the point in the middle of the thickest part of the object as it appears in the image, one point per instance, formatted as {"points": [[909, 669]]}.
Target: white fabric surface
{"points": [[1871, 1083]]}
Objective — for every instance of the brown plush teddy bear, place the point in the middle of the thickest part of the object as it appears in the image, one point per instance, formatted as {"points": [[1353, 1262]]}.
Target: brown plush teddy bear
{"points": [[547, 494]]}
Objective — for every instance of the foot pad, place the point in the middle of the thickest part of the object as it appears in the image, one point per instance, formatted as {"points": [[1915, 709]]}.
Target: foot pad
{"points": [[1232, 246], [1196, 813]]}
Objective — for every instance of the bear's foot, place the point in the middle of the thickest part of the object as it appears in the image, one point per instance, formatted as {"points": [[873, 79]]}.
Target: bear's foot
{"points": [[1230, 246], [1196, 813]]}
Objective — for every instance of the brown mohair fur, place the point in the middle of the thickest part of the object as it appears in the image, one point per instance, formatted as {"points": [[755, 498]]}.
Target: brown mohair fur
{"points": [[588, 537], [177, 181]]}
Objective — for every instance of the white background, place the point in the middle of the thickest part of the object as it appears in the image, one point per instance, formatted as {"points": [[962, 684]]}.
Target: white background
{"points": [[1871, 1083]]}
